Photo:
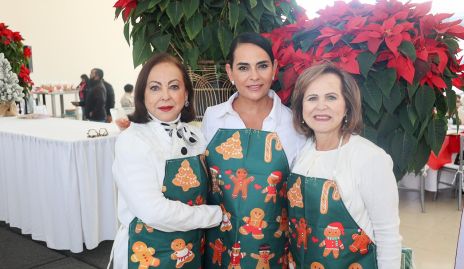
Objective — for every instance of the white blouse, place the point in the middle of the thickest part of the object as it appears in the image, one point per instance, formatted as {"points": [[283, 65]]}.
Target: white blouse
{"points": [[368, 188], [279, 120], [138, 170]]}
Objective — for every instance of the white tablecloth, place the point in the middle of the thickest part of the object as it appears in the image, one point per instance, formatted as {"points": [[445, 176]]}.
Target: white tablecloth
{"points": [[55, 183], [410, 180]]}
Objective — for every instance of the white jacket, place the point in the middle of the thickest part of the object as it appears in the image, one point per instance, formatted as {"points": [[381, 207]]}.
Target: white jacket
{"points": [[138, 170]]}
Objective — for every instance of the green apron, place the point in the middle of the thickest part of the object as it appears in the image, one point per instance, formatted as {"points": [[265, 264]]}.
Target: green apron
{"points": [[185, 180], [323, 233], [248, 173]]}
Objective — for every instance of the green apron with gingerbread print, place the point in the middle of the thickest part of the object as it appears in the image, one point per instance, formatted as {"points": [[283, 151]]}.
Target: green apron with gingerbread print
{"points": [[185, 180], [248, 170], [323, 233]]}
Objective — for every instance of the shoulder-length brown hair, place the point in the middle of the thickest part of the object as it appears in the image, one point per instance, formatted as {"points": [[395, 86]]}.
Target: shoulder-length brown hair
{"points": [[140, 114], [350, 92]]}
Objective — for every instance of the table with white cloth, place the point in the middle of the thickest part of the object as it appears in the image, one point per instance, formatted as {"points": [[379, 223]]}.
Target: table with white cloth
{"points": [[448, 152], [55, 183]]}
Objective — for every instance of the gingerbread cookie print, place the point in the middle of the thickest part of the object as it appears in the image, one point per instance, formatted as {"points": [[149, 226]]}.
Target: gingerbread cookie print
{"points": [[231, 148], [144, 255], [218, 248], [271, 189], [294, 195], [241, 181], [185, 177], [236, 256], [254, 224], [264, 256], [332, 242], [182, 252]]}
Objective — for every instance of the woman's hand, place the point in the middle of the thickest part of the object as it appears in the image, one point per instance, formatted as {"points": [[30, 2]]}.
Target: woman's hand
{"points": [[122, 123]]}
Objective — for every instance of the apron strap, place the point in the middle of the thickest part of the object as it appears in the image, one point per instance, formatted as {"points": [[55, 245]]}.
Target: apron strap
{"points": [[338, 158], [120, 229]]}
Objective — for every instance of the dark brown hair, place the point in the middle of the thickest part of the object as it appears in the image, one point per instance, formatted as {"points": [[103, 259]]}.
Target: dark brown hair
{"points": [[140, 114], [350, 92]]}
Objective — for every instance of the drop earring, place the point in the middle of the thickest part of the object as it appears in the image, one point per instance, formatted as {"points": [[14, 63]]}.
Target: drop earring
{"points": [[233, 82], [187, 103]]}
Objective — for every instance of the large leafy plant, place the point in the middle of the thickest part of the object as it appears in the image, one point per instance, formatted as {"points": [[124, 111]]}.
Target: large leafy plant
{"points": [[404, 60], [18, 56], [198, 29]]}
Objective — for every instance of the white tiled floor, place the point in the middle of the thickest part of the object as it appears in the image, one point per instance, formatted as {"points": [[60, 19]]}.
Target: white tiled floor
{"points": [[432, 235]]}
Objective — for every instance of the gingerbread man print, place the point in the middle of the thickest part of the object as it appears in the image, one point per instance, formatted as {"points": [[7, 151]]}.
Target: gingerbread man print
{"points": [[263, 256], [241, 181], [144, 255], [254, 224], [332, 241]]}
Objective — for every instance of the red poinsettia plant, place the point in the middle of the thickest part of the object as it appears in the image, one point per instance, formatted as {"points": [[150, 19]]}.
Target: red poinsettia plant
{"points": [[404, 60], [17, 54]]}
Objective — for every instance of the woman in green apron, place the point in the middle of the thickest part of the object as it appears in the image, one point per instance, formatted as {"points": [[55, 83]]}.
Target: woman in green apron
{"points": [[251, 143], [342, 193], [161, 179]]}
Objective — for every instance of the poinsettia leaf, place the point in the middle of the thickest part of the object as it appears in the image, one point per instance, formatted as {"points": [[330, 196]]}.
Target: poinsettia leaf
{"points": [[403, 115], [412, 88], [143, 6], [371, 95], [234, 11], [421, 155], [388, 123], [194, 25], [190, 7], [385, 79], [424, 101], [141, 51], [407, 48], [161, 43], [452, 44], [372, 116], [451, 101], [370, 133], [269, 5], [366, 59], [175, 12], [394, 100], [403, 146], [127, 32], [436, 132]]}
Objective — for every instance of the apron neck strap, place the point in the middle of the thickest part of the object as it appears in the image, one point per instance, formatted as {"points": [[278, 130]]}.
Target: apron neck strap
{"points": [[337, 158]]}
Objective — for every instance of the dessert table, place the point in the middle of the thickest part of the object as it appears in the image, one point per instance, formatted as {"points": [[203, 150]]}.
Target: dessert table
{"points": [[55, 183], [52, 97]]}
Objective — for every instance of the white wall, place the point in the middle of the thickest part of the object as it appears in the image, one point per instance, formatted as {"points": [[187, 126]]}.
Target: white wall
{"points": [[69, 38]]}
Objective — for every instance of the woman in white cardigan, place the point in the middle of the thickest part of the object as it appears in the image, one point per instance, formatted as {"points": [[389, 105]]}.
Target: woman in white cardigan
{"points": [[160, 174], [343, 197]]}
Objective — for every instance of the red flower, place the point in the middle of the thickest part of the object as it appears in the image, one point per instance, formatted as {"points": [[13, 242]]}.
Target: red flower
{"points": [[392, 32], [27, 52], [17, 37], [345, 58], [127, 6], [24, 75]]}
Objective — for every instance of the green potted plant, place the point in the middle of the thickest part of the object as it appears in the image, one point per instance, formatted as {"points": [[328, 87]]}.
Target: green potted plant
{"points": [[15, 82], [404, 60], [198, 29]]}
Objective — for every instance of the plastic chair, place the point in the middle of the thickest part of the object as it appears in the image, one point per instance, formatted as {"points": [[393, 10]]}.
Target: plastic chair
{"points": [[458, 170]]}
